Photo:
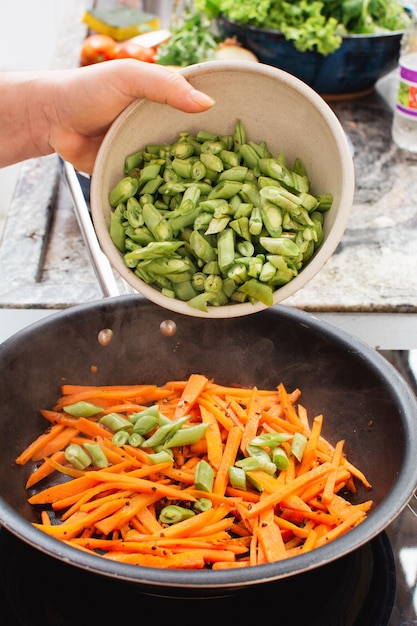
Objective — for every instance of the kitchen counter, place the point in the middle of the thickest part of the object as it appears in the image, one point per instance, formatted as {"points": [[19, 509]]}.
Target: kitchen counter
{"points": [[369, 286]]}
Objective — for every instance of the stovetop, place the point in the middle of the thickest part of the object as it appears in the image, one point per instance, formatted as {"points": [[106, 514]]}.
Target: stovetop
{"points": [[375, 585], [38, 590]]}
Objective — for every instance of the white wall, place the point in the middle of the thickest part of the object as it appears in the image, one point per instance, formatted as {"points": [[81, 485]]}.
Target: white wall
{"points": [[28, 36]]}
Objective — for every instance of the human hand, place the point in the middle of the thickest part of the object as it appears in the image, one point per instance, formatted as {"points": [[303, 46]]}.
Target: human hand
{"points": [[70, 111], [93, 97]]}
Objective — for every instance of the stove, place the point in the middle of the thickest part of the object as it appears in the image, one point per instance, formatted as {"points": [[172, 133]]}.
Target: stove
{"points": [[38, 590]]}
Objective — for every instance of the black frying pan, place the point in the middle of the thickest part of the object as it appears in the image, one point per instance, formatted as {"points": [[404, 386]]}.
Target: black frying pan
{"points": [[362, 397]]}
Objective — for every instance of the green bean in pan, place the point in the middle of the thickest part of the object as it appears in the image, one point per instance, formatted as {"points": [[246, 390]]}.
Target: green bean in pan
{"points": [[214, 219]]}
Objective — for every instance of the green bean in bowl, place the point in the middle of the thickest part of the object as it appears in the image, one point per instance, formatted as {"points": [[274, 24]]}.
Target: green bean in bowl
{"points": [[215, 219], [227, 212]]}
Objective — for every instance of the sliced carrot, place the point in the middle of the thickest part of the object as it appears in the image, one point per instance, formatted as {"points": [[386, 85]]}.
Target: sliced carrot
{"points": [[36, 447], [274, 498], [56, 417], [329, 487], [195, 385], [254, 415], [207, 402], [44, 470], [185, 560], [114, 511], [310, 452], [229, 457], [125, 514], [269, 537], [213, 438], [288, 408]]}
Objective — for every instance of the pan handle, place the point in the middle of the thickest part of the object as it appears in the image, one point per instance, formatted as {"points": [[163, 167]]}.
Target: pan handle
{"points": [[99, 261]]}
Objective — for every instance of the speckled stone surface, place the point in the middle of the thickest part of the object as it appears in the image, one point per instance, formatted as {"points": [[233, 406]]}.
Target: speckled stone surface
{"points": [[374, 266], [45, 264]]}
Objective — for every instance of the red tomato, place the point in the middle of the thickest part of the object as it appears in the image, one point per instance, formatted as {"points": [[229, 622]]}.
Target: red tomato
{"points": [[97, 48], [130, 50]]}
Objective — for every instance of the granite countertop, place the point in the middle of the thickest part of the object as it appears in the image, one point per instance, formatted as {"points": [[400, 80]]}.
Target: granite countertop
{"points": [[45, 263]]}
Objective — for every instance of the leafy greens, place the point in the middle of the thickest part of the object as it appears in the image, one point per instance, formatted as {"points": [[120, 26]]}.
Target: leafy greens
{"points": [[312, 24]]}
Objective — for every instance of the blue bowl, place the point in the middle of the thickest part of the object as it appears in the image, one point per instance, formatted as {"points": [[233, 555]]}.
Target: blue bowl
{"points": [[352, 69]]}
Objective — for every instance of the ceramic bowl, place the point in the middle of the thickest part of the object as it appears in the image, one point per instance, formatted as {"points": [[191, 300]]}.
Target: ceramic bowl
{"points": [[350, 70], [273, 106]]}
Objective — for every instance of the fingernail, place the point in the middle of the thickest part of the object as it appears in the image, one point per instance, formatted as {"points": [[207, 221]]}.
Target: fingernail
{"points": [[201, 98]]}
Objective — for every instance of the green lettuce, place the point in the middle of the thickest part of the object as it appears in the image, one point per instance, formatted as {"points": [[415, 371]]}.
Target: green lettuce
{"points": [[312, 24]]}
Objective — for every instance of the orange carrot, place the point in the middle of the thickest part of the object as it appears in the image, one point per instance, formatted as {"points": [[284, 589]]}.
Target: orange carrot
{"points": [[213, 438], [274, 498], [329, 487], [195, 385], [269, 537], [45, 469], [115, 510], [288, 408], [35, 448], [254, 415], [229, 456], [207, 402]]}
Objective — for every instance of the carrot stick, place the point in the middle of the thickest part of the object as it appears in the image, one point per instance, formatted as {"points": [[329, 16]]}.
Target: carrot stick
{"points": [[254, 415], [287, 406], [59, 442], [328, 491], [70, 488], [125, 514], [140, 484], [220, 565], [56, 417], [213, 438], [207, 402], [149, 521], [36, 446], [44, 470], [75, 524], [185, 560], [139, 393], [194, 387], [301, 481], [310, 452], [229, 456], [269, 537], [350, 522]]}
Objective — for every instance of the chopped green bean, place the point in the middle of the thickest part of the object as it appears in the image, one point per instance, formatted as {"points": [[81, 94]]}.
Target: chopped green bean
{"points": [[82, 409], [115, 422], [172, 514], [124, 189], [186, 436], [211, 199], [164, 432], [202, 504], [203, 476], [97, 454], [78, 457], [298, 445], [163, 456], [237, 477], [120, 438]]}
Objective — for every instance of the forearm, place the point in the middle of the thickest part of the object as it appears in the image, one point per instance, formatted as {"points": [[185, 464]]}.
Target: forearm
{"points": [[24, 127]]}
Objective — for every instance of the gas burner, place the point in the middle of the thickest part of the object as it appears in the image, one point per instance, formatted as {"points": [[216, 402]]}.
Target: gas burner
{"points": [[38, 590]]}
